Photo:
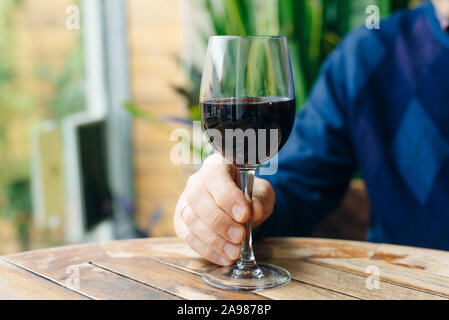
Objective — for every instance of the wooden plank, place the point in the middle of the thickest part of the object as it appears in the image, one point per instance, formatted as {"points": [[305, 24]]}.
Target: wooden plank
{"points": [[303, 291], [288, 248], [321, 269], [63, 264], [303, 248], [418, 279], [16, 283], [148, 183], [435, 262], [153, 13], [102, 284], [293, 291], [164, 66], [176, 253], [172, 280], [55, 263], [348, 283], [160, 40], [428, 260]]}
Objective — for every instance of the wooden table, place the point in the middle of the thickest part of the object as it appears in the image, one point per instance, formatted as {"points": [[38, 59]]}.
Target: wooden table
{"points": [[165, 268]]}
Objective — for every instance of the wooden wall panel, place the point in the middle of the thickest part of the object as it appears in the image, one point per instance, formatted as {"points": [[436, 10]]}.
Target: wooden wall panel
{"points": [[154, 30], [41, 39]]}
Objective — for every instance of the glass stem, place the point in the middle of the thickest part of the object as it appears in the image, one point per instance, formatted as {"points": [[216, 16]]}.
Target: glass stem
{"points": [[247, 258]]}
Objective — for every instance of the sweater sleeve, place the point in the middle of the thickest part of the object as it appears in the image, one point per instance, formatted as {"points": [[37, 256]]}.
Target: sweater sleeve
{"points": [[317, 163]]}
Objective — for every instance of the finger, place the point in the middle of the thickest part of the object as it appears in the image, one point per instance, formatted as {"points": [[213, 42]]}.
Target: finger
{"points": [[205, 251], [177, 219], [265, 198], [180, 228], [221, 184], [257, 210], [202, 204], [210, 237], [195, 242]]}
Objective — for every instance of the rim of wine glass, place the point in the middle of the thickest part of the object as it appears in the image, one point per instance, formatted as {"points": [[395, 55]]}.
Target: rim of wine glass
{"points": [[250, 37]]}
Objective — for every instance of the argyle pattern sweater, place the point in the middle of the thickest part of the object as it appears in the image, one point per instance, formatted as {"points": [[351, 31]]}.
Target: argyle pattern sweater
{"points": [[380, 106]]}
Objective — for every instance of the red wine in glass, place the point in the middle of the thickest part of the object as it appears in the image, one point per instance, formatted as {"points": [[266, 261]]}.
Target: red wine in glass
{"points": [[247, 102], [263, 119]]}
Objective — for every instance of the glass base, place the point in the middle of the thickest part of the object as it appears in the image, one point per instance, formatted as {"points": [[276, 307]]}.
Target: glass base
{"points": [[258, 277]]}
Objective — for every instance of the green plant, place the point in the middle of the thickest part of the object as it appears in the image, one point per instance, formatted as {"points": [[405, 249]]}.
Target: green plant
{"points": [[15, 103], [313, 29], [19, 209], [17, 111], [69, 94]]}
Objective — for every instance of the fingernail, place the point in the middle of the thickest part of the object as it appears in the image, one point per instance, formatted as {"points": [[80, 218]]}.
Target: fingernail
{"points": [[238, 212], [235, 234], [225, 261], [232, 251]]}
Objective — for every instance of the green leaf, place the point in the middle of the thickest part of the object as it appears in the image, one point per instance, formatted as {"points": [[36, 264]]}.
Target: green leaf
{"points": [[234, 18]]}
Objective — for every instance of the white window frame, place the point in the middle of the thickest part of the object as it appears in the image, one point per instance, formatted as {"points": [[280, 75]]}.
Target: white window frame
{"points": [[104, 28]]}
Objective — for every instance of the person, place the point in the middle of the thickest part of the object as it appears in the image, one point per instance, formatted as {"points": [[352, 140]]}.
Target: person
{"points": [[380, 107]]}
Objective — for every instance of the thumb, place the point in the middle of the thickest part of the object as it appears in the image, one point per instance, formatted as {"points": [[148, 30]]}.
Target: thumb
{"points": [[263, 201], [257, 210]]}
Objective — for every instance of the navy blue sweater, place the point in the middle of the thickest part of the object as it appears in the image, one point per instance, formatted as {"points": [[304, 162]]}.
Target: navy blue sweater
{"points": [[381, 106]]}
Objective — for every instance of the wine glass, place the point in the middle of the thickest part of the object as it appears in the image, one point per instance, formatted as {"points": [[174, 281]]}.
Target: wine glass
{"points": [[247, 102]]}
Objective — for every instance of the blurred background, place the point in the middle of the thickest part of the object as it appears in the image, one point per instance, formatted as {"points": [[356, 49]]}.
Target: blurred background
{"points": [[90, 91]]}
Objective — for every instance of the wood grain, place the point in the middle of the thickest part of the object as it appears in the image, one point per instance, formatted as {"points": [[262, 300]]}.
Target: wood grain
{"points": [[306, 248], [433, 283], [16, 283], [349, 283], [154, 71], [293, 291], [56, 263], [62, 265], [427, 260], [169, 279], [166, 268], [98, 283]]}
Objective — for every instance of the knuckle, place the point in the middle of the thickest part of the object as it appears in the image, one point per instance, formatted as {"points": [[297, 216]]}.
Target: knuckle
{"points": [[192, 194], [269, 187], [210, 253], [223, 197], [216, 221], [214, 166], [213, 158], [216, 241], [189, 218], [263, 184], [265, 189], [192, 181], [188, 238]]}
